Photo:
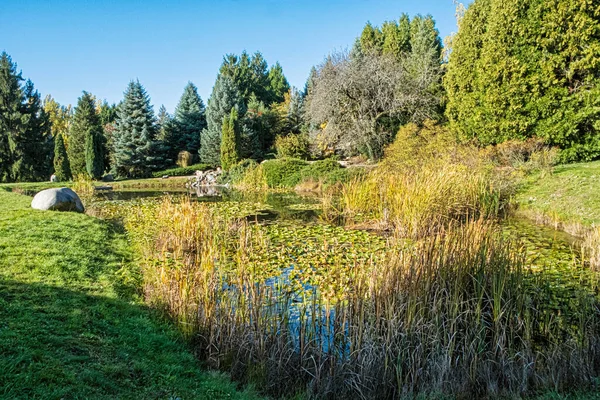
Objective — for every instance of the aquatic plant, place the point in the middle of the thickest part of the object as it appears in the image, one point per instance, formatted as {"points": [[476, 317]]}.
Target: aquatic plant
{"points": [[337, 313]]}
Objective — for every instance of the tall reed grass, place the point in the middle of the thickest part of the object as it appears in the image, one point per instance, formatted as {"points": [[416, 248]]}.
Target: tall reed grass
{"points": [[426, 181], [455, 313]]}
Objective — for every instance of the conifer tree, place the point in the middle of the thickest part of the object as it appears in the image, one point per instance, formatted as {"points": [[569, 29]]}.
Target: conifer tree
{"points": [[278, 84], [85, 135], [94, 157], [230, 148], [523, 68], [188, 122], [62, 169], [25, 136], [224, 97], [137, 152]]}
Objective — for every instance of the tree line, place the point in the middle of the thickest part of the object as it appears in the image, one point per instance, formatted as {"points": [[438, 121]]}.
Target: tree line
{"points": [[514, 70]]}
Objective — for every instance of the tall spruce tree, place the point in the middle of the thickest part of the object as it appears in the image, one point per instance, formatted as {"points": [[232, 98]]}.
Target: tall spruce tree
{"points": [[224, 97], [25, 135], [188, 122], [85, 138], [523, 68], [62, 169], [230, 142], [137, 152]]}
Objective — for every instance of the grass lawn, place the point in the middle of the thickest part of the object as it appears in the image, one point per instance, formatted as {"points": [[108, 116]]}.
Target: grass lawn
{"points": [[72, 325], [571, 195]]}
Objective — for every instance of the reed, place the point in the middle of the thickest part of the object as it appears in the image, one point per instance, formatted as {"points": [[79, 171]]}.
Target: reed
{"points": [[455, 313]]}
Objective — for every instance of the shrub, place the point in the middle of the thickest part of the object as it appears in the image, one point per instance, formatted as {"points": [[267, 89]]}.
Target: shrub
{"points": [[185, 159], [182, 171], [285, 172], [326, 172], [292, 146]]}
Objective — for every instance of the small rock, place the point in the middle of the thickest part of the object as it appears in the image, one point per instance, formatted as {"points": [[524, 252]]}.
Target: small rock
{"points": [[165, 177], [61, 199], [54, 178], [108, 178]]}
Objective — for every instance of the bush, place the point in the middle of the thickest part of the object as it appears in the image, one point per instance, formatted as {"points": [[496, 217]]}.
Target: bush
{"points": [[182, 171], [185, 159], [327, 172], [292, 146], [284, 172]]}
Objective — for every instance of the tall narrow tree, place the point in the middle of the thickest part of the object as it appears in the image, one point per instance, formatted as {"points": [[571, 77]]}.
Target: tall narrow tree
{"points": [[224, 97], [278, 84], [85, 139], [62, 169], [230, 143], [137, 152]]}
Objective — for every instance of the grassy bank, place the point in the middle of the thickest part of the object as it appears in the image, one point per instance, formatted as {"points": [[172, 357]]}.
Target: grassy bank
{"points": [[71, 322], [569, 198]]}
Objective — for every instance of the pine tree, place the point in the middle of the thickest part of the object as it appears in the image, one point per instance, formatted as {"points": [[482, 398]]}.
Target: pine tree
{"points": [[230, 148], [188, 122], [371, 39], [85, 135], [224, 97], [137, 152], [62, 169], [278, 85], [25, 136]]}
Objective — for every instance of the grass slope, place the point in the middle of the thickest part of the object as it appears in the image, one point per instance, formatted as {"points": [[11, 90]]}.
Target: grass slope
{"points": [[571, 195], [71, 324]]}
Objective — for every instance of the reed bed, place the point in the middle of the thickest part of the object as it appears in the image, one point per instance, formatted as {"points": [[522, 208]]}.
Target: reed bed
{"points": [[455, 313], [426, 181]]}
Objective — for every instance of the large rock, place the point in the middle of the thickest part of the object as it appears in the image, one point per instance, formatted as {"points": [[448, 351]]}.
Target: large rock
{"points": [[61, 199]]}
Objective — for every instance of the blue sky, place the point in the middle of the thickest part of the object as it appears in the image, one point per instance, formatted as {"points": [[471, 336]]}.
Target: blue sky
{"points": [[65, 47]]}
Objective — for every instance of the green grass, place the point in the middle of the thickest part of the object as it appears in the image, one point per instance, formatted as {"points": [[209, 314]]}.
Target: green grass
{"points": [[571, 195], [72, 324]]}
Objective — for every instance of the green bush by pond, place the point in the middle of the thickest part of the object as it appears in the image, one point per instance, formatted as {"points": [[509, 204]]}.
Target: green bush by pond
{"points": [[182, 171]]}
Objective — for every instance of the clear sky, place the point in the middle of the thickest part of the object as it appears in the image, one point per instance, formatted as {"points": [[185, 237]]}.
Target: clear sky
{"points": [[65, 47]]}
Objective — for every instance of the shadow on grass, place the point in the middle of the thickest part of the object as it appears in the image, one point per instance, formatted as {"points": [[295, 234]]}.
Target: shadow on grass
{"points": [[57, 343]]}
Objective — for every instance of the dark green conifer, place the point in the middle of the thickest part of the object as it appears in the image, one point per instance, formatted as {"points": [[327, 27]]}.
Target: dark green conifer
{"points": [[85, 139], [137, 152], [62, 169]]}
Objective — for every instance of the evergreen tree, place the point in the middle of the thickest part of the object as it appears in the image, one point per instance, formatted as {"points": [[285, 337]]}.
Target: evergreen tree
{"points": [[188, 122], [85, 138], [371, 39], [528, 68], [108, 115], [230, 151], [251, 75], [94, 155], [137, 152], [62, 169], [25, 136], [224, 97], [278, 84]]}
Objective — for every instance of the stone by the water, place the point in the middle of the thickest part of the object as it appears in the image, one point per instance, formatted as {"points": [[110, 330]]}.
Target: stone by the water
{"points": [[60, 199]]}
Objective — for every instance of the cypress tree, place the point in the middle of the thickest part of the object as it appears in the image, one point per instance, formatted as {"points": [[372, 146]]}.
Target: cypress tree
{"points": [[224, 97], [85, 139], [137, 152], [230, 151], [62, 169], [94, 160], [528, 68]]}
